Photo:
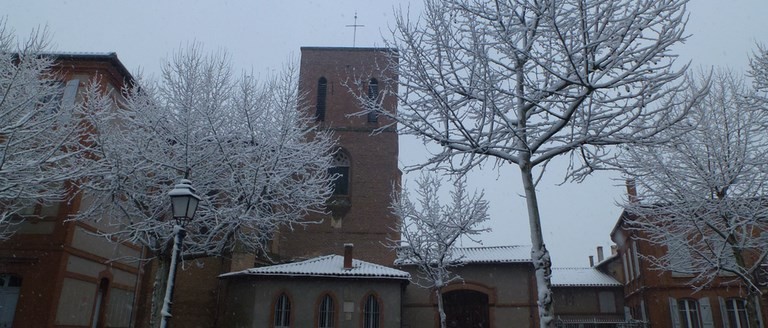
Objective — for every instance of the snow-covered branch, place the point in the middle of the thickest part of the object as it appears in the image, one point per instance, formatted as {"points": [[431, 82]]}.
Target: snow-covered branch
{"points": [[702, 194], [523, 82], [248, 148], [40, 146], [430, 229]]}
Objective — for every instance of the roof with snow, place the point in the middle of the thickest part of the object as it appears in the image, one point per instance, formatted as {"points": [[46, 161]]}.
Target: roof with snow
{"points": [[325, 266], [582, 277], [486, 254], [110, 57]]}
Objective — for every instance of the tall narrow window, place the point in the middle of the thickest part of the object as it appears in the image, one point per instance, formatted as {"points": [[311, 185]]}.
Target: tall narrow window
{"points": [[737, 313], [322, 91], [688, 310], [371, 312], [282, 312], [340, 169], [373, 98], [325, 314]]}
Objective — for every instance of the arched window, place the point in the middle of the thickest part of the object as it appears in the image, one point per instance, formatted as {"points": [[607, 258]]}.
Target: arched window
{"points": [[282, 312], [322, 91], [9, 296], [371, 312], [326, 312], [340, 168], [466, 308], [373, 95], [736, 309]]}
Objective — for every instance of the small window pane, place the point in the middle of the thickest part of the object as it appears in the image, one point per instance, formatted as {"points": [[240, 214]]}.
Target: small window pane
{"points": [[282, 312], [373, 96], [371, 312], [326, 313], [689, 313], [322, 90], [340, 169], [737, 313]]}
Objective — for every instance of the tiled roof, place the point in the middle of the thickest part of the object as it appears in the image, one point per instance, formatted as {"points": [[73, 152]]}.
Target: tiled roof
{"points": [[487, 254], [325, 266], [82, 53], [582, 277]]}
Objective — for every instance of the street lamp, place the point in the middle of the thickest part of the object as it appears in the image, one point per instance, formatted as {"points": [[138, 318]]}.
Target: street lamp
{"points": [[184, 204]]}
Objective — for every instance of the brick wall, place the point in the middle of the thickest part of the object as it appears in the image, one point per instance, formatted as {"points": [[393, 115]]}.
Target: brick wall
{"points": [[373, 170]]}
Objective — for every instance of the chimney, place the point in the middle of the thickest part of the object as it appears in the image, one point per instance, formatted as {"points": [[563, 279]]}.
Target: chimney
{"points": [[348, 255], [599, 254], [591, 261], [631, 191]]}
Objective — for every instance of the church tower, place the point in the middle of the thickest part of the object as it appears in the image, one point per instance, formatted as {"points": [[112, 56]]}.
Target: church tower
{"points": [[366, 162]]}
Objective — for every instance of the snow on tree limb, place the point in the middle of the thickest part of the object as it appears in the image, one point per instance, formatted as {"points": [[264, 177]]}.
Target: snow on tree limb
{"points": [[40, 146], [524, 82], [702, 194], [429, 230], [247, 145]]}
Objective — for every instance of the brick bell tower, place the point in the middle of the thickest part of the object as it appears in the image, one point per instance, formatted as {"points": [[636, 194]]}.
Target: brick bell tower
{"points": [[366, 162]]}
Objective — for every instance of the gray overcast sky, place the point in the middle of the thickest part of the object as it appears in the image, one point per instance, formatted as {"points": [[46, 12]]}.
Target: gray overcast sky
{"points": [[262, 35]]}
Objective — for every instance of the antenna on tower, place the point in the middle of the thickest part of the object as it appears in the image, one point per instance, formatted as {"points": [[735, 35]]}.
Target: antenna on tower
{"points": [[354, 32]]}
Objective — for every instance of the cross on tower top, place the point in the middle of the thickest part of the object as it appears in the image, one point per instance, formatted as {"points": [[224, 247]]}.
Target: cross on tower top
{"points": [[354, 33]]}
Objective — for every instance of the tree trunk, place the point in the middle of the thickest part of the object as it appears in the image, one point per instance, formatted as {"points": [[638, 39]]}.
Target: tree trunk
{"points": [[440, 309], [539, 253]]}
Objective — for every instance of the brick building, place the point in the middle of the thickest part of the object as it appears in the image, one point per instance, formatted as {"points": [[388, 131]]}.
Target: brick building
{"points": [[54, 272], [366, 161], [665, 298], [326, 291]]}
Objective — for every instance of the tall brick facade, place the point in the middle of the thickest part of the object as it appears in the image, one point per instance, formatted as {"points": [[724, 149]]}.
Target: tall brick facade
{"points": [[54, 272], [362, 215]]}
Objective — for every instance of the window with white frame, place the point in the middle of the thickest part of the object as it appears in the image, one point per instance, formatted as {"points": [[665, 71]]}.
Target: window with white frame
{"points": [[736, 313], [371, 312], [282, 312], [325, 313], [688, 313]]}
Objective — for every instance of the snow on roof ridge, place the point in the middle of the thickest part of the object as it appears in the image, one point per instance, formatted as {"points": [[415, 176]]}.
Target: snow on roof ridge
{"points": [[582, 277], [325, 266], [485, 254], [495, 246], [104, 53]]}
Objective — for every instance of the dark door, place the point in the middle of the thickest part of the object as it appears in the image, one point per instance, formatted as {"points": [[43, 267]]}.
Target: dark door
{"points": [[466, 309]]}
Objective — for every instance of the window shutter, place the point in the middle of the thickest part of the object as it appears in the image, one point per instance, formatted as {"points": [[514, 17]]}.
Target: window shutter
{"points": [[70, 91], [636, 259], [673, 313], [627, 314], [706, 313], [724, 313], [642, 311]]}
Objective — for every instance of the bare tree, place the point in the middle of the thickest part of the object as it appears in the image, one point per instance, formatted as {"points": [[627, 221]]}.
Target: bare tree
{"points": [[703, 193], [39, 146], [523, 82], [429, 231], [247, 147]]}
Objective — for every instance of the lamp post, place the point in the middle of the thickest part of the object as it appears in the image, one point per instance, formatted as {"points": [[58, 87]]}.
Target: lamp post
{"points": [[184, 203]]}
